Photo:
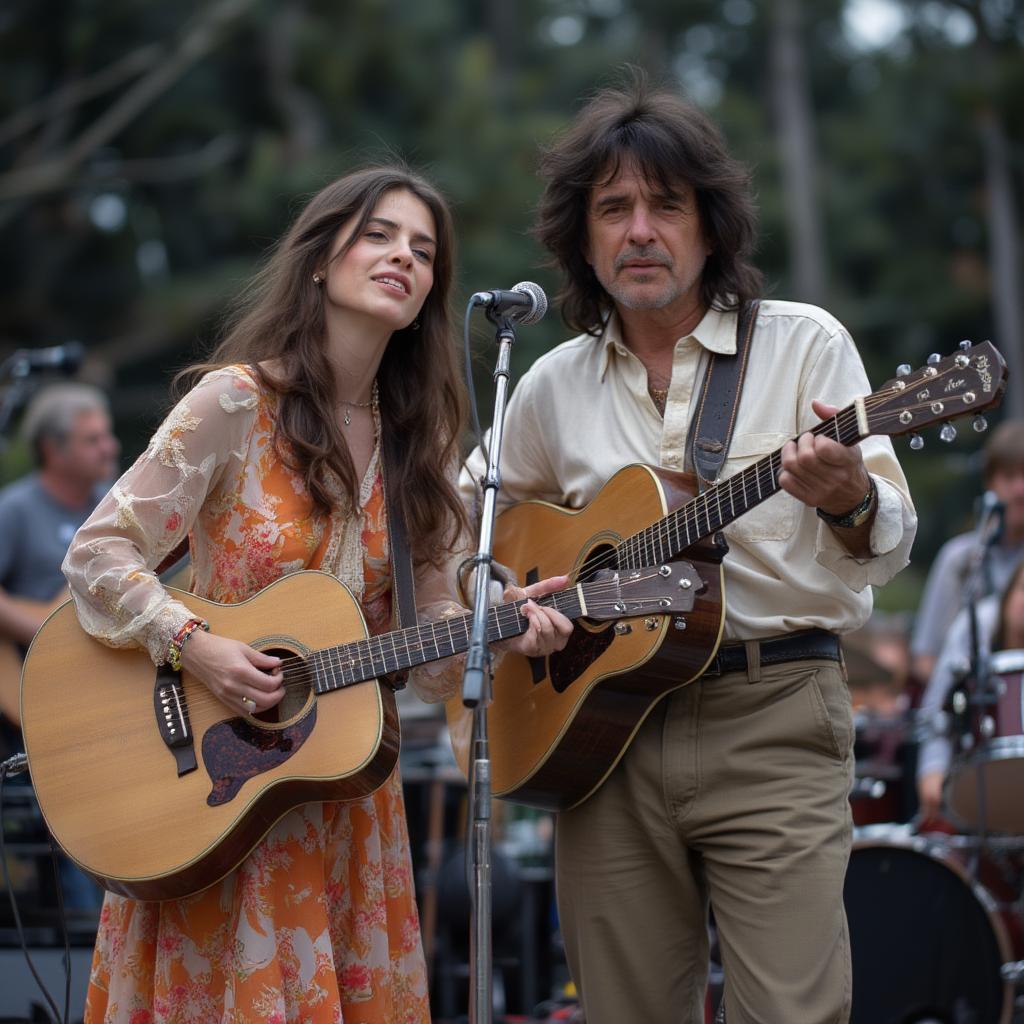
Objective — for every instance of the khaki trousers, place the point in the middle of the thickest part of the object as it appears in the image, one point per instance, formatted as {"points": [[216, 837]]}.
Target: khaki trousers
{"points": [[736, 791]]}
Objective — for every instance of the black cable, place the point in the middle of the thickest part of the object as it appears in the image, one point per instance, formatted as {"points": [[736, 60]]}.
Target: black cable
{"points": [[63, 927], [473, 413], [5, 768]]}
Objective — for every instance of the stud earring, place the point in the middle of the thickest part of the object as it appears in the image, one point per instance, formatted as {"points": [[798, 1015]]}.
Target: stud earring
{"points": [[318, 278]]}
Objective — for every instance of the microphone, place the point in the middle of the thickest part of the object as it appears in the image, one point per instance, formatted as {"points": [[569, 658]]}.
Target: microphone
{"points": [[526, 302], [991, 512], [66, 357], [990, 503]]}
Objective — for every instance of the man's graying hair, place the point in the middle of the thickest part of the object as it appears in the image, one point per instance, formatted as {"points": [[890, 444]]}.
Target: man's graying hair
{"points": [[670, 142], [52, 413]]}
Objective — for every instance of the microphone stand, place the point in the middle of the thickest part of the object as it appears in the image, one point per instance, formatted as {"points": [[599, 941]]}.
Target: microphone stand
{"points": [[476, 694], [17, 368], [20, 367], [979, 675]]}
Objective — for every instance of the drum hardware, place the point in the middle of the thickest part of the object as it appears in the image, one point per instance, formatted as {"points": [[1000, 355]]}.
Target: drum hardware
{"points": [[882, 746], [983, 790], [1013, 972], [873, 789]]}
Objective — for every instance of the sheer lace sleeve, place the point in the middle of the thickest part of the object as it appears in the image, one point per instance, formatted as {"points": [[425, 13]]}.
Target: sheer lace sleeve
{"points": [[150, 510], [436, 598]]}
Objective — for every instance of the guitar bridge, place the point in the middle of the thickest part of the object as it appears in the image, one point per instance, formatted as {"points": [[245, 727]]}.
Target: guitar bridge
{"points": [[172, 719]]}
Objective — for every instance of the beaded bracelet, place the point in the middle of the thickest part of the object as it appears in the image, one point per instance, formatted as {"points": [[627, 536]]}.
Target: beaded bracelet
{"points": [[179, 639]]}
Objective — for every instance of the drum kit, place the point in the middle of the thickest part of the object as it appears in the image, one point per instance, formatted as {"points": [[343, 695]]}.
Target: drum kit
{"points": [[936, 908]]}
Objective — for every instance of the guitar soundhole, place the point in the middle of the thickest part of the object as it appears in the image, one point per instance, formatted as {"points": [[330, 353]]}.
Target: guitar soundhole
{"points": [[297, 687]]}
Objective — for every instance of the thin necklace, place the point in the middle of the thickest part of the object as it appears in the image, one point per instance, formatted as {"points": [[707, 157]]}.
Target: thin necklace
{"points": [[349, 406]]}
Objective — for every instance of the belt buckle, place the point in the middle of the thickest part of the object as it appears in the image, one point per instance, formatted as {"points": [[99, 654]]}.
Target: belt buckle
{"points": [[715, 668]]}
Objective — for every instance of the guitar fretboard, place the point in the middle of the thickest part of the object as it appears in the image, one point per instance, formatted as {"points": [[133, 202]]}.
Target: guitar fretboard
{"points": [[371, 657], [720, 505]]}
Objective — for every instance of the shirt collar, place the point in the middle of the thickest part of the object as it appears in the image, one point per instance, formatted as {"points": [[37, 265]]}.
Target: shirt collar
{"points": [[716, 332]]}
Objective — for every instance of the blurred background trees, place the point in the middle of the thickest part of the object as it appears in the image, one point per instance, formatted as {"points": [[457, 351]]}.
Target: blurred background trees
{"points": [[150, 153]]}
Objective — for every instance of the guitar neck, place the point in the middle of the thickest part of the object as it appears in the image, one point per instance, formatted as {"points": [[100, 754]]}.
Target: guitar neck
{"points": [[371, 657], [720, 505]]}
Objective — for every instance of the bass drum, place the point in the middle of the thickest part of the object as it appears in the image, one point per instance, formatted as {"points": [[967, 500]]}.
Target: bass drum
{"points": [[927, 942]]}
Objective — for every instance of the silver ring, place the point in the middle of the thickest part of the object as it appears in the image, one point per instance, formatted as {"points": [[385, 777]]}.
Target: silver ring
{"points": [[249, 704]]}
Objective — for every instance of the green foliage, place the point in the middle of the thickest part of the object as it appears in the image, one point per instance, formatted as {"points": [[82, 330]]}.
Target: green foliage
{"points": [[143, 242]]}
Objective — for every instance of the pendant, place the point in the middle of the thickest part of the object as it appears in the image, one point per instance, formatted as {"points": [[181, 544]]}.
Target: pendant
{"points": [[348, 418]]}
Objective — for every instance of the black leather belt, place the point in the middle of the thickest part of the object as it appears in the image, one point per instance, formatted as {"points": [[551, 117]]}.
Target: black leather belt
{"points": [[806, 645]]}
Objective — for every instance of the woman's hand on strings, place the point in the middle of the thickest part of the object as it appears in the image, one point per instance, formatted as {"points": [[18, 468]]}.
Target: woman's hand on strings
{"points": [[236, 674]]}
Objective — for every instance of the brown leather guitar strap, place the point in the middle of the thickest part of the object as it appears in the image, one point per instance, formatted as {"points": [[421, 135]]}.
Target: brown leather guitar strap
{"points": [[713, 421], [403, 587]]}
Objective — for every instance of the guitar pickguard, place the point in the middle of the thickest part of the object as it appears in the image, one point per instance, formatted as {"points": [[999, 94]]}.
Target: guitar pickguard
{"points": [[237, 749], [582, 650]]}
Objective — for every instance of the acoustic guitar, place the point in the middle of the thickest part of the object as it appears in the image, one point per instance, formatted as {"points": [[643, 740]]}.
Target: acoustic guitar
{"points": [[157, 789], [558, 727], [10, 654]]}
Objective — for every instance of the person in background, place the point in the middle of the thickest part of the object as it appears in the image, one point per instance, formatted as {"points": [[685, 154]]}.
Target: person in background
{"points": [[734, 789], [270, 464], [67, 429], [1003, 473], [1000, 623]]}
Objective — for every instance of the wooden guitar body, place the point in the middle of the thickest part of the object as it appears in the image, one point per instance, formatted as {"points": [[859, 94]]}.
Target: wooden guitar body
{"points": [[558, 728], [109, 786], [10, 654]]}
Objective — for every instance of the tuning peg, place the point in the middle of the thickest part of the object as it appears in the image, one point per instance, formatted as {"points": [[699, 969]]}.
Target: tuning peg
{"points": [[947, 433], [903, 369], [934, 358], [916, 442], [965, 345], [980, 424]]}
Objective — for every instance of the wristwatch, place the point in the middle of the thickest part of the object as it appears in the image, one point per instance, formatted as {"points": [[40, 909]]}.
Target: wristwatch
{"points": [[857, 516]]}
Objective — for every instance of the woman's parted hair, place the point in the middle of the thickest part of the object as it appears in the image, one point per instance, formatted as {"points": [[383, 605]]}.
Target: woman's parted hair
{"points": [[671, 143], [280, 317]]}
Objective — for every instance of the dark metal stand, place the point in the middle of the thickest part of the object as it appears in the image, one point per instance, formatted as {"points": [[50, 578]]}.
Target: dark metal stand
{"points": [[21, 387], [979, 690], [22, 372], [476, 694]]}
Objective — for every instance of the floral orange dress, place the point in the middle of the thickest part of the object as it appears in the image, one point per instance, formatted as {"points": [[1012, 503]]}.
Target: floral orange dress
{"points": [[319, 923]]}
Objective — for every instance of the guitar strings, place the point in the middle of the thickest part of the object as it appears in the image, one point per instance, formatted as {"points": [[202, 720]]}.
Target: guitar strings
{"points": [[759, 477], [300, 671]]}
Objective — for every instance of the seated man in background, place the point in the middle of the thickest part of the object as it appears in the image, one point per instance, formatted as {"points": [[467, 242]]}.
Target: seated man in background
{"points": [[68, 430]]}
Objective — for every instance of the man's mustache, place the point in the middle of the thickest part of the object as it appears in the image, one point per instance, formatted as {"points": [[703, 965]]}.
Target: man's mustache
{"points": [[653, 255]]}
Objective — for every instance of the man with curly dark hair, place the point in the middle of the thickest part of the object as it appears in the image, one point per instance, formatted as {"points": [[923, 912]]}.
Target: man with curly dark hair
{"points": [[733, 790]]}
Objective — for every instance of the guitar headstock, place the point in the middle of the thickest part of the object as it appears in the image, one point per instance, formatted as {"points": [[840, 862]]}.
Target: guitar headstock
{"points": [[967, 382]]}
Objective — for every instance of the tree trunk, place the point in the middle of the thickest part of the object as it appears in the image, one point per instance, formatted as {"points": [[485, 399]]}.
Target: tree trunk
{"points": [[795, 133], [1004, 247]]}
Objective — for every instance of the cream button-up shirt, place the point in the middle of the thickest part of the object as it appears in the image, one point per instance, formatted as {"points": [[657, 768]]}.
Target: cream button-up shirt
{"points": [[583, 411]]}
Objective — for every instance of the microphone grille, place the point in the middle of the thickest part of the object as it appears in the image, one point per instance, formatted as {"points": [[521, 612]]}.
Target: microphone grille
{"points": [[540, 301]]}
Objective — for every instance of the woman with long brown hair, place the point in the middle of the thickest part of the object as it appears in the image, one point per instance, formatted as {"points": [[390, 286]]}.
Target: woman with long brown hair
{"points": [[270, 464]]}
